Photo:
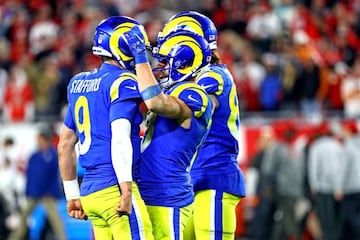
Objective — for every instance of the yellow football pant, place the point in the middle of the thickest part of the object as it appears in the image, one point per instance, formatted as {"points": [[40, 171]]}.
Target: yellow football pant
{"points": [[100, 207], [169, 223], [214, 216]]}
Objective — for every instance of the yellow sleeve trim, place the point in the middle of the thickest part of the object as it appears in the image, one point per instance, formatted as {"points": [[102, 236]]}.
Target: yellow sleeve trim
{"points": [[218, 78], [205, 100], [114, 89]]}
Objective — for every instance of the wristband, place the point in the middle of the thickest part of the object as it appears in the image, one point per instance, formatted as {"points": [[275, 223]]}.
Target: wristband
{"points": [[71, 189], [141, 57], [150, 92]]}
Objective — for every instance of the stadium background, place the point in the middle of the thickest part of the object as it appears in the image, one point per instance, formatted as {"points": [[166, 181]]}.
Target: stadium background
{"points": [[43, 43]]}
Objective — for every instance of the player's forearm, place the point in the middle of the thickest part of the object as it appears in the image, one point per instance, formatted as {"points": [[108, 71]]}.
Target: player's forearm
{"points": [[145, 76], [149, 88], [126, 188], [67, 164], [155, 100], [66, 154]]}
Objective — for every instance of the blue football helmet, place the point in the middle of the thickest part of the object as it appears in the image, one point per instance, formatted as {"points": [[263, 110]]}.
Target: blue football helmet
{"points": [[185, 53], [108, 41], [194, 22]]}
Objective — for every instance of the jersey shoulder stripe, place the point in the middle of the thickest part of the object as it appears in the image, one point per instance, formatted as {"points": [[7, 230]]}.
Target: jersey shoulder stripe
{"points": [[114, 89], [193, 95], [212, 82]]}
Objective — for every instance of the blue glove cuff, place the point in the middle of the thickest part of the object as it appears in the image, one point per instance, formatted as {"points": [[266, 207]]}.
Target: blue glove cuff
{"points": [[141, 57]]}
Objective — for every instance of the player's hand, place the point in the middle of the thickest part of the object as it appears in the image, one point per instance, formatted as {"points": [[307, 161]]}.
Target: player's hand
{"points": [[125, 206], [75, 210], [338, 195], [136, 41]]}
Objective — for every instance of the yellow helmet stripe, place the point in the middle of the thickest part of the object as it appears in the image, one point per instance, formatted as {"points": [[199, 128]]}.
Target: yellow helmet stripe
{"points": [[115, 37], [193, 25], [183, 40]]}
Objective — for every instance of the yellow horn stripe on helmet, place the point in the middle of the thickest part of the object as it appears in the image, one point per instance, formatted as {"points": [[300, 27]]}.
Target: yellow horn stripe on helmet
{"points": [[169, 44], [194, 25], [114, 40]]}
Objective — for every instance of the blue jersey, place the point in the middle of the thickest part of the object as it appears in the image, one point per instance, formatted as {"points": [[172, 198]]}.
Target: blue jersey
{"points": [[168, 150], [96, 99], [42, 174], [216, 164]]}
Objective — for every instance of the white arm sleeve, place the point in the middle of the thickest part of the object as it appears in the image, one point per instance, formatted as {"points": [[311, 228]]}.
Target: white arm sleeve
{"points": [[121, 149]]}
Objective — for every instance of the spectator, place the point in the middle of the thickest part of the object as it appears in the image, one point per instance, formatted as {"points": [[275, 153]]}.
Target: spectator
{"points": [[262, 222], [337, 74], [48, 78], [65, 70], [285, 9], [43, 32], [350, 91], [248, 74], [42, 186], [263, 26], [289, 185], [309, 225], [7, 196], [309, 85], [13, 152], [19, 34], [289, 71], [18, 99], [351, 184], [3, 82], [271, 89], [326, 163]]}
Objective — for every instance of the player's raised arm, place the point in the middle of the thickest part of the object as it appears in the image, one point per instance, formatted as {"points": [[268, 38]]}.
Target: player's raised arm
{"points": [[154, 98]]}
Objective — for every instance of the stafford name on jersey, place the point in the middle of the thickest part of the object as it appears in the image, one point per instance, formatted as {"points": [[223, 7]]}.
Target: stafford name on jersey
{"points": [[88, 85]]}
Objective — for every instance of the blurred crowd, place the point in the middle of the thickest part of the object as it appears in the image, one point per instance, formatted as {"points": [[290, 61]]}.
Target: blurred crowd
{"points": [[305, 184], [287, 56]]}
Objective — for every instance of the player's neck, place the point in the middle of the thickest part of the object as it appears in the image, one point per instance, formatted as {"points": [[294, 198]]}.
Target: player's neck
{"points": [[113, 62]]}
